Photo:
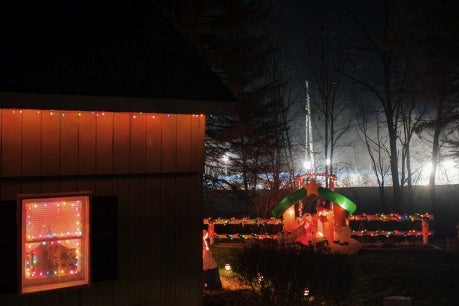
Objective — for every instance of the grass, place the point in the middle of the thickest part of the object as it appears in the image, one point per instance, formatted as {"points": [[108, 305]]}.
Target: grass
{"points": [[429, 276]]}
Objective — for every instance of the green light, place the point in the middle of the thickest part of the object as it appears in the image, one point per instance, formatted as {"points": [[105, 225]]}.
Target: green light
{"points": [[338, 199], [325, 193]]}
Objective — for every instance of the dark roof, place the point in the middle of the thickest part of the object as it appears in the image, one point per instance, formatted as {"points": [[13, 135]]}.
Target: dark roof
{"points": [[100, 55]]}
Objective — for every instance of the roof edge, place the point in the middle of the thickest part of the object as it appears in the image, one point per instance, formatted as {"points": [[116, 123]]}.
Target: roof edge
{"points": [[21, 100]]}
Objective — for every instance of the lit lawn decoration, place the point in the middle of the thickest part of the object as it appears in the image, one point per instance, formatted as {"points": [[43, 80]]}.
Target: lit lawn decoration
{"points": [[328, 227], [54, 242], [332, 221], [329, 223], [313, 188]]}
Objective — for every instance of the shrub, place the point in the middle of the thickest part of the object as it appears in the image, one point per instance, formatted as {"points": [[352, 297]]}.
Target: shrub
{"points": [[279, 274]]}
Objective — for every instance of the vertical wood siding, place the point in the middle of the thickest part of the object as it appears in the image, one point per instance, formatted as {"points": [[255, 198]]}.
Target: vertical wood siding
{"points": [[153, 141], [31, 144], [152, 162], [86, 145]]}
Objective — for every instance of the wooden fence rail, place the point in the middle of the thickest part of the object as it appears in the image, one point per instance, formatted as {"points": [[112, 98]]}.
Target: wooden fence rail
{"points": [[362, 221]]}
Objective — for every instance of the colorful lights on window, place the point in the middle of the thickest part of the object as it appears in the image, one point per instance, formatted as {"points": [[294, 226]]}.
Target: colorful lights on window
{"points": [[54, 241]]}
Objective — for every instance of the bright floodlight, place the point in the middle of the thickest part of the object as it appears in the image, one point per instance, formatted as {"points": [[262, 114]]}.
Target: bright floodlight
{"points": [[307, 164], [427, 169], [449, 164]]}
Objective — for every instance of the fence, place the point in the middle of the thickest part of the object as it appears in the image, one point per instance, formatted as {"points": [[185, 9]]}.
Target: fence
{"points": [[371, 228], [367, 228]]}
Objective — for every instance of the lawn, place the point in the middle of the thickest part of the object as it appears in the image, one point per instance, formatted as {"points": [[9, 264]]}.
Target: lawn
{"points": [[427, 275]]}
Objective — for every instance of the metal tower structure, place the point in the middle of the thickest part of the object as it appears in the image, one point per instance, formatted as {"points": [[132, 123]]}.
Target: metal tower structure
{"points": [[309, 157]]}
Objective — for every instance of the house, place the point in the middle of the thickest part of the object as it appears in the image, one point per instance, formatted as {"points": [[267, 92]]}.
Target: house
{"points": [[106, 102]]}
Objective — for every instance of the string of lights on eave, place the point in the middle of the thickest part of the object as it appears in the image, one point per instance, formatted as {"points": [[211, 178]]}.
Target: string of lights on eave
{"points": [[96, 114]]}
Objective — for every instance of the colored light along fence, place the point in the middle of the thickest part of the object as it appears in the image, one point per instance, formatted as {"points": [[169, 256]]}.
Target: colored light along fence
{"points": [[423, 218], [423, 232]]}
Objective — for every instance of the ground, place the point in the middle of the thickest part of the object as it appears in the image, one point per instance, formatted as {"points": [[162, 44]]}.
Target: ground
{"points": [[229, 284]]}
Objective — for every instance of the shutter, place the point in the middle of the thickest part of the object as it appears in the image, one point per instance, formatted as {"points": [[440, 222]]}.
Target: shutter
{"points": [[104, 238], [8, 247]]}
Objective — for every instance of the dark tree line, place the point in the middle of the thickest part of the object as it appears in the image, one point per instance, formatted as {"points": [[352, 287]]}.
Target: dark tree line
{"points": [[249, 150], [405, 87], [399, 68]]}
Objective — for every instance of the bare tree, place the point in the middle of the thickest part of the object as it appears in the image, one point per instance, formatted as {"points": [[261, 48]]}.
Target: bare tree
{"points": [[327, 56], [387, 81], [412, 114], [369, 130], [436, 29]]}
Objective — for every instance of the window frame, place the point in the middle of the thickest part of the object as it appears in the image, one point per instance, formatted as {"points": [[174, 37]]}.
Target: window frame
{"points": [[46, 283]]}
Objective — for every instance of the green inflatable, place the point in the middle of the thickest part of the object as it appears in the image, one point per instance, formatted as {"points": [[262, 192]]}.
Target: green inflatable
{"points": [[325, 193]]}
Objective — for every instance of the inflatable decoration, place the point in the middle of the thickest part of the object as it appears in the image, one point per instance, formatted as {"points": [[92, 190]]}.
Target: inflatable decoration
{"points": [[314, 188]]}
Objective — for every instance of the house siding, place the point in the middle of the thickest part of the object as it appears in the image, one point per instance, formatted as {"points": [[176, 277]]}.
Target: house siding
{"points": [[152, 163]]}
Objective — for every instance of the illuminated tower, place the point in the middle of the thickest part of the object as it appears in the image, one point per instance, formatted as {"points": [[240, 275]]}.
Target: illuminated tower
{"points": [[309, 157]]}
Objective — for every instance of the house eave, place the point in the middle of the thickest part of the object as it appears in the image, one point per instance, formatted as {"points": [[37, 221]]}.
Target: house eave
{"points": [[20, 100]]}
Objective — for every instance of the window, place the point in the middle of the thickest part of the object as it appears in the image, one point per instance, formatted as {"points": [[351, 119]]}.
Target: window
{"points": [[54, 242]]}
